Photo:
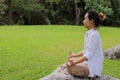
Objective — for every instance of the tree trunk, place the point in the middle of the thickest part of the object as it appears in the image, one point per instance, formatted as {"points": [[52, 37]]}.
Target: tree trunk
{"points": [[77, 13], [9, 12], [115, 7]]}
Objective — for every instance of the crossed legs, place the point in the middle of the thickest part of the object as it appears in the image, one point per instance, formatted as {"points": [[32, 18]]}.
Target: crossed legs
{"points": [[80, 69]]}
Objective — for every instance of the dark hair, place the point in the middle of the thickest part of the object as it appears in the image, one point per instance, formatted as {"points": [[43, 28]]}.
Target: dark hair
{"points": [[93, 15]]}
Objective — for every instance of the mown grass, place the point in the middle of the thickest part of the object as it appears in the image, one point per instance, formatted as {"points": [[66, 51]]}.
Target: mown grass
{"points": [[31, 52]]}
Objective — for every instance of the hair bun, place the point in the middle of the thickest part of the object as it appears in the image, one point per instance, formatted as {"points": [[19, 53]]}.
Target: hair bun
{"points": [[101, 16]]}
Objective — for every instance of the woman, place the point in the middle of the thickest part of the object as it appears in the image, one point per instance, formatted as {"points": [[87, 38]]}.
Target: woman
{"points": [[89, 62]]}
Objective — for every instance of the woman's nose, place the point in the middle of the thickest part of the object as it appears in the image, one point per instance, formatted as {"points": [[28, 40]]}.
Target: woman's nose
{"points": [[83, 22]]}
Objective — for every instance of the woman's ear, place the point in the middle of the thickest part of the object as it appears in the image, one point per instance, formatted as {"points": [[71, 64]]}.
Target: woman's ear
{"points": [[92, 21]]}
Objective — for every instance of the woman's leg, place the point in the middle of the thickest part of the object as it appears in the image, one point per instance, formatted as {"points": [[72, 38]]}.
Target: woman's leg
{"points": [[80, 69]]}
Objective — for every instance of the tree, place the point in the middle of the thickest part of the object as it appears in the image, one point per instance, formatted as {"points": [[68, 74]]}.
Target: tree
{"points": [[116, 14], [10, 12], [1, 8], [2, 11], [53, 11], [77, 12], [25, 11], [99, 6]]}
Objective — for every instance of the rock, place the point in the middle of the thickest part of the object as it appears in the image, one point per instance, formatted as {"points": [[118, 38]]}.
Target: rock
{"points": [[62, 74], [112, 53], [106, 52]]}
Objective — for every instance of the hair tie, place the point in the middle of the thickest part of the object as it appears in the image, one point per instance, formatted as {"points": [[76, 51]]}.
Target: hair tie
{"points": [[101, 16]]}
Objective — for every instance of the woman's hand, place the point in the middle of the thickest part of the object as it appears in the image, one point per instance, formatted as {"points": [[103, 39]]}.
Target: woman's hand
{"points": [[71, 54], [68, 64], [71, 62]]}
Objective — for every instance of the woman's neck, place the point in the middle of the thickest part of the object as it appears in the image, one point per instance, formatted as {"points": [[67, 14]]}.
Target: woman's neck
{"points": [[92, 26]]}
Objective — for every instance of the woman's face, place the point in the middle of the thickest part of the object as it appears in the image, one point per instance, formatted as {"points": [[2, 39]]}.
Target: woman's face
{"points": [[86, 21]]}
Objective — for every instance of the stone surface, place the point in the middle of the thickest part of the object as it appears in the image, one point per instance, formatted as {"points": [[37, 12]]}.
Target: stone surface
{"points": [[62, 74], [112, 53]]}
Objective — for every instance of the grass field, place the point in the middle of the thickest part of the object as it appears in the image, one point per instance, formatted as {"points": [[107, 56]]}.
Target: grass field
{"points": [[29, 53]]}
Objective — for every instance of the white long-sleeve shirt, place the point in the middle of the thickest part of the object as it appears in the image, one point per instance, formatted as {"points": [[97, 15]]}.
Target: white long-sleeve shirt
{"points": [[93, 52]]}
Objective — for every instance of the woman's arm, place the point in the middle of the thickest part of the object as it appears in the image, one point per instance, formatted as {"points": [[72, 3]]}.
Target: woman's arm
{"points": [[71, 54], [72, 62]]}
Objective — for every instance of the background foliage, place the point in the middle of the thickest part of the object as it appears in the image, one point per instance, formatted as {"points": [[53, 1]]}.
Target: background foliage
{"points": [[33, 12]]}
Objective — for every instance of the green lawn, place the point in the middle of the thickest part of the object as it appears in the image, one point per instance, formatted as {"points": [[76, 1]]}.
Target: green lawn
{"points": [[31, 52]]}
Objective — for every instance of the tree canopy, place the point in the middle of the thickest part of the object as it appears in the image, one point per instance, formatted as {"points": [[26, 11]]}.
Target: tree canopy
{"points": [[34, 12]]}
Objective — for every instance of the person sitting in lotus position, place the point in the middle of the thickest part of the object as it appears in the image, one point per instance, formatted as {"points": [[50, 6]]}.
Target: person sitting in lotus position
{"points": [[89, 62]]}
